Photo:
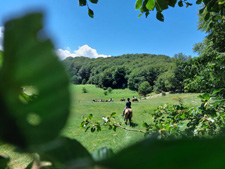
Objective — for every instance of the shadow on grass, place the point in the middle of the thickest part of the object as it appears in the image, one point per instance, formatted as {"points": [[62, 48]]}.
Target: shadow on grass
{"points": [[133, 124]]}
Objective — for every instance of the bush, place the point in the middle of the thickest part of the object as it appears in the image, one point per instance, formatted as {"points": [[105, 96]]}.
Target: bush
{"points": [[105, 92], [110, 89], [84, 90], [179, 99]]}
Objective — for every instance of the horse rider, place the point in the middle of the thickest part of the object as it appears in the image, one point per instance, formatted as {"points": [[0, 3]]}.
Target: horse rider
{"points": [[128, 105]]}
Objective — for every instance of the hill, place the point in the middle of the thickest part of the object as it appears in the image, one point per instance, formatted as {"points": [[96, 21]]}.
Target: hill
{"points": [[128, 70]]}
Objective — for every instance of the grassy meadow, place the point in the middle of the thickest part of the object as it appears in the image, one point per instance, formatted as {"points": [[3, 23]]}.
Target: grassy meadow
{"points": [[82, 105]]}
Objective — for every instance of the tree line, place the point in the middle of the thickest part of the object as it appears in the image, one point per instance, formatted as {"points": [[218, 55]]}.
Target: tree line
{"points": [[129, 70]]}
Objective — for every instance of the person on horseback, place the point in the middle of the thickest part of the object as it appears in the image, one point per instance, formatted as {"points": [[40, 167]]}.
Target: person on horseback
{"points": [[128, 105]]}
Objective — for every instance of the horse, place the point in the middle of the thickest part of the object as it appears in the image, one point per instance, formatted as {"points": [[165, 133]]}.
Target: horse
{"points": [[122, 99], [135, 100], [128, 115], [110, 100]]}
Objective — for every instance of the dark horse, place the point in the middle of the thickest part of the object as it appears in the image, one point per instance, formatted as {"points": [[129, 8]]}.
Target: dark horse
{"points": [[134, 100], [122, 99], [128, 115]]}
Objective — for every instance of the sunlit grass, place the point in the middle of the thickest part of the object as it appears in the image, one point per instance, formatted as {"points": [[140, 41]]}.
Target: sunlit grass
{"points": [[82, 105]]}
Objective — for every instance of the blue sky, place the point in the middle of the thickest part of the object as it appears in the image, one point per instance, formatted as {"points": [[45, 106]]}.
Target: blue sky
{"points": [[115, 29]]}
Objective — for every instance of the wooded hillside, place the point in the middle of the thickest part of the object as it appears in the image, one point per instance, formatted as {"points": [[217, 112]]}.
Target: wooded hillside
{"points": [[129, 70]]}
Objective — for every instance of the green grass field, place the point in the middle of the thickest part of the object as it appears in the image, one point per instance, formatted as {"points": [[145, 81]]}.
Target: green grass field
{"points": [[82, 104]]}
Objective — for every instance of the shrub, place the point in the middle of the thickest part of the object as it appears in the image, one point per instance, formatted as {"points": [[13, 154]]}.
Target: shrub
{"points": [[84, 90], [110, 89], [105, 92]]}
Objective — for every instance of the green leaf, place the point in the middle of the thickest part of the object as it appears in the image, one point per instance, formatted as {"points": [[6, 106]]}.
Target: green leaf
{"points": [[31, 58], [183, 116], [113, 114], [217, 91], [201, 10], [206, 96], [145, 125], [163, 4], [87, 128], [65, 153], [180, 4], [90, 116], [207, 16], [139, 15], [90, 13], [82, 2], [174, 153], [99, 128], [147, 13], [94, 1], [188, 4], [160, 16], [93, 129], [82, 124], [4, 162], [150, 5], [102, 154], [138, 4], [198, 1], [172, 3], [29, 166]]}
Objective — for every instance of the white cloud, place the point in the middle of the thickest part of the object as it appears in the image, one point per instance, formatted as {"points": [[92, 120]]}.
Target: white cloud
{"points": [[1, 37], [84, 50]]}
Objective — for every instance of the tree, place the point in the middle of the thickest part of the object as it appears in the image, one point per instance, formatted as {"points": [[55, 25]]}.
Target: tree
{"points": [[144, 88], [147, 6], [182, 57]]}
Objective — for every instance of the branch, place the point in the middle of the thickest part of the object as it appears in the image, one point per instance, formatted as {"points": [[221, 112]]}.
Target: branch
{"points": [[129, 129]]}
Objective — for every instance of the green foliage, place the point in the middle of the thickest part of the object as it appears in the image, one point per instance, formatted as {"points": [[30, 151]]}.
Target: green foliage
{"points": [[66, 153], [52, 86], [105, 92], [110, 89], [144, 88], [128, 70], [4, 162], [179, 99], [178, 121], [83, 81], [84, 90], [29, 166], [173, 154], [1, 59]]}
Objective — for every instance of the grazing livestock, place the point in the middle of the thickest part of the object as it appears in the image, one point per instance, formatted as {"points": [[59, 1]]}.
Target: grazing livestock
{"points": [[135, 100], [110, 100], [122, 99]]}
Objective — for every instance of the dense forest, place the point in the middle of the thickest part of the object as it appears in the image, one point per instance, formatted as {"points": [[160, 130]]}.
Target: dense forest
{"points": [[129, 70]]}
